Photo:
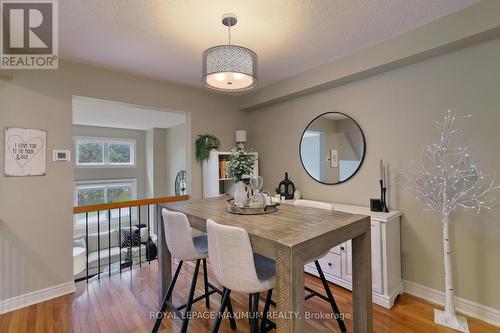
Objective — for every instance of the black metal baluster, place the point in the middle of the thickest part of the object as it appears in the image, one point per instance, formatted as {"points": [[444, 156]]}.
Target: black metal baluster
{"points": [[131, 237], [140, 238], [98, 246], [149, 235], [120, 236], [87, 242], [109, 242]]}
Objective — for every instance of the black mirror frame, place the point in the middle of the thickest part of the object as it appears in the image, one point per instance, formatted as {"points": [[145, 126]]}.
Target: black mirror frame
{"points": [[362, 157]]}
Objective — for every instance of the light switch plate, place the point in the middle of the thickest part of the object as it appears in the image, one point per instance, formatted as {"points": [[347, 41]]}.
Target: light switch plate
{"points": [[334, 161]]}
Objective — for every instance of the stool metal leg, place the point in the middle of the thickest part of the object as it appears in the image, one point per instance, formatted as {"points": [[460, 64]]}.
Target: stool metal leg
{"points": [[330, 297], [263, 324], [185, 320], [223, 303], [249, 308], [205, 283], [254, 313], [167, 297], [232, 320]]}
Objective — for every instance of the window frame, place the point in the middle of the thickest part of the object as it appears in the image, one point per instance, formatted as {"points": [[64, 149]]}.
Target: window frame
{"points": [[103, 183], [106, 142], [78, 225]]}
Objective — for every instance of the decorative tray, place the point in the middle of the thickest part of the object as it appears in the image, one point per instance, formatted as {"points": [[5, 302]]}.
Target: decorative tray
{"points": [[245, 210]]}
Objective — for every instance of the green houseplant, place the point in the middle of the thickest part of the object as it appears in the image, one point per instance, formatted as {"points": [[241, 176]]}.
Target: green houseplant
{"points": [[204, 144], [241, 164]]}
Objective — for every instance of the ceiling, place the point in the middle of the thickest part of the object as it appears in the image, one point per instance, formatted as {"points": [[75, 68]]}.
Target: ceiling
{"points": [[96, 112], [164, 39]]}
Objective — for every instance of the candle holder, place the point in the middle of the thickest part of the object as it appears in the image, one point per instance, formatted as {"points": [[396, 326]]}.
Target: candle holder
{"points": [[383, 191]]}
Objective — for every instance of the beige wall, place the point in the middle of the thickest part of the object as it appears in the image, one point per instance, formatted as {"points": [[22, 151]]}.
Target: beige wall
{"points": [[176, 154], [396, 111], [36, 212], [156, 151]]}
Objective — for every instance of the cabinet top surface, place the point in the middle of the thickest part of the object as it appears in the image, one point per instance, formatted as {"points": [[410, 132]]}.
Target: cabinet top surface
{"points": [[353, 209]]}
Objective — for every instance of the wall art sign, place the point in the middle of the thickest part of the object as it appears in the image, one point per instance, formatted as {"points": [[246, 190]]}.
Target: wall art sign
{"points": [[25, 152]]}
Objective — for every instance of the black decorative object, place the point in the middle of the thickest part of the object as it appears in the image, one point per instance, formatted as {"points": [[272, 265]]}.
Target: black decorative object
{"points": [[376, 205], [383, 202], [181, 183], [151, 249], [126, 264], [287, 188]]}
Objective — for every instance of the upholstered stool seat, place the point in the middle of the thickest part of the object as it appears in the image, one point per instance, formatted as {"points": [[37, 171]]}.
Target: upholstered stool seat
{"points": [[266, 270], [238, 269], [184, 247], [201, 245]]}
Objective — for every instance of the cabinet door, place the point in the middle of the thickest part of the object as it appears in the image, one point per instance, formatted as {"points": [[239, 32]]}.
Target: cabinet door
{"points": [[330, 264], [346, 255], [376, 249], [377, 282]]}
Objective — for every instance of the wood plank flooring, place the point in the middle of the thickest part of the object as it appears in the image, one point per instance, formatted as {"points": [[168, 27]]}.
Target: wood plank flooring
{"points": [[123, 303]]}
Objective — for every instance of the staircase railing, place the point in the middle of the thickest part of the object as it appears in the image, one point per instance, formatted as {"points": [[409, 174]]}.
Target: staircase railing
{"points": [[133, 210]]}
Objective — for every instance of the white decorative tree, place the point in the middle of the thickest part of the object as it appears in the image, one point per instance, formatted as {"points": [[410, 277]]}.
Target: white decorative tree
{"points": [[445, 180]]}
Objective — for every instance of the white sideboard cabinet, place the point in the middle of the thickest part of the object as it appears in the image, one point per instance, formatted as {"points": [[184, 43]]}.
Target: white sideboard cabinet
{"points": [[387, 283]]}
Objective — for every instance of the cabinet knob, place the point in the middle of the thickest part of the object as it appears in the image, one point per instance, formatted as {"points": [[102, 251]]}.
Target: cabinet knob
{"points": [[342, 248], [330, 264]]}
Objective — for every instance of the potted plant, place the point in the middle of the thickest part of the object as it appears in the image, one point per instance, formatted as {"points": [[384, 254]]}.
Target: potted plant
{"points": [[204, 144], [241, 164], [128, 259]]}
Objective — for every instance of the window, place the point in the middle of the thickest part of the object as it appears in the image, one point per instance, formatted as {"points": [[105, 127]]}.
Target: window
{"points": [[105, 191], [96, 152]]}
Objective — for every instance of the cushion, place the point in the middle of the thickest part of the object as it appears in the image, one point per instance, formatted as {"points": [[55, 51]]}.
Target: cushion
{"points": [[144, 235], [131, 237]]}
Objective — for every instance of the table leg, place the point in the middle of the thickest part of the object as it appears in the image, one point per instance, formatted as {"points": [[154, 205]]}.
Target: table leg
{"points": [[290, 290], [362, 283], [164, 258]]}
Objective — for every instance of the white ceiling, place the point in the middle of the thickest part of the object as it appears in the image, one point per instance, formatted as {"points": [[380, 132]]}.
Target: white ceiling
{"points": [[96, 112], [164, 39]]}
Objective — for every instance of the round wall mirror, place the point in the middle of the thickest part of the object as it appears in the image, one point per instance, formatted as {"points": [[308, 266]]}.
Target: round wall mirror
{"points": [[332, 148]]}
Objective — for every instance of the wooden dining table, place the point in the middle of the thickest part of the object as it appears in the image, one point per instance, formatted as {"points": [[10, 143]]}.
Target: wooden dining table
{"points": [[291, 236]]}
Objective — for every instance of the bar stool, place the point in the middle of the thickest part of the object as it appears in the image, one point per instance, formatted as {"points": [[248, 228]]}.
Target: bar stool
{"points": [[184, 247], [329, 296], [238, 268]]}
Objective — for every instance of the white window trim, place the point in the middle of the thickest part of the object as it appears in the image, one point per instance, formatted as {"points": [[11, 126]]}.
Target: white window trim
{"points": [[78, 226], [105, 142]]}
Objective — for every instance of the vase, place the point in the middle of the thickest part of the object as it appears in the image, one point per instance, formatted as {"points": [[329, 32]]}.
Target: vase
{"points": [[287, 188], [241, 194]]}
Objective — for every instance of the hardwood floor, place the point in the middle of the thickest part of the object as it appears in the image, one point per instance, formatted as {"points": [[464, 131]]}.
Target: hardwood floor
{"points": [[123, 303]]}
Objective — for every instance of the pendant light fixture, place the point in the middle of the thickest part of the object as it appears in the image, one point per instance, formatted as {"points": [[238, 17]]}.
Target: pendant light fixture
{"points": [[229, 67]]}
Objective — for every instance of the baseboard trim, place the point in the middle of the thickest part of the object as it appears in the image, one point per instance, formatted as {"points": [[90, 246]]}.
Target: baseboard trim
{"points": [[476, 310], [37, 296]]}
